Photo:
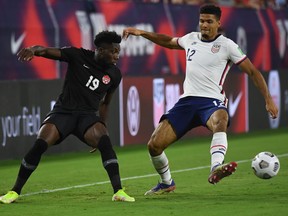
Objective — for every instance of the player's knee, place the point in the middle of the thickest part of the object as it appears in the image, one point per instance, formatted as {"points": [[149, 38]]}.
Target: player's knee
{"points": [[218, 121], [154, 146], [220, 125], [106, 150], [95, 133]]}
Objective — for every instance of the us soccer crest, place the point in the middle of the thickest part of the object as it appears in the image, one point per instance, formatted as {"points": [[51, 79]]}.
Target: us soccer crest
{"points": [[215, 48]]}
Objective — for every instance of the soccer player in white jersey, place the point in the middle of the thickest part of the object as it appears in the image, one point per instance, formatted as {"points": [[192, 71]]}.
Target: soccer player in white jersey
{"points": [[209, 56]]}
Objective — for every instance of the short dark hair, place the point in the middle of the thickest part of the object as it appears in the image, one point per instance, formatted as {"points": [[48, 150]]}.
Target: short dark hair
{"points": [[211, 9], [107, 37]]}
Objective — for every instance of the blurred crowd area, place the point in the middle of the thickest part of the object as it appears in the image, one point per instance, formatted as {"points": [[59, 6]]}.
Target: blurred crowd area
{"points": [[256, 4]]}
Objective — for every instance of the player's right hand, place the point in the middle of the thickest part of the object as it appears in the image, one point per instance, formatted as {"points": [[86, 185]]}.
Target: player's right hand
{"points": [[272, 108], [26, 54]]}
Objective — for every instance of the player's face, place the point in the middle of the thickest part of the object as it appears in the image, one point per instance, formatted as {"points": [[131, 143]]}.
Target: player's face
{"points": [[109, 53], [208, 24]]}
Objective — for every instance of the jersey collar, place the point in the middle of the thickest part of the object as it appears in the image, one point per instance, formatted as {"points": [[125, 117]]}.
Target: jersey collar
{"points": [[208, 41]]}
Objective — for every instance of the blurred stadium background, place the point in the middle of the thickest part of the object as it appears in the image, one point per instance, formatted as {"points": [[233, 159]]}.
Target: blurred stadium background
{"points": [[152, 75]]}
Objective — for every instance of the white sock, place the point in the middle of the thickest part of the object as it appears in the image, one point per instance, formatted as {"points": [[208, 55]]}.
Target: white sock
{"points": [[161, 165], [218, 148]]}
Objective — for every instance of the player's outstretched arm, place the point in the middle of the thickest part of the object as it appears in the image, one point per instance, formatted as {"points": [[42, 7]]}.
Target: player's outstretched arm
{"points": [[260, 83], [27, 54], [160, 39]]}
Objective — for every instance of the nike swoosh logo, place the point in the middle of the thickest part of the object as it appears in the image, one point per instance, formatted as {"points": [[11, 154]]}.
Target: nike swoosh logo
{"points": [[84, 65], [16, 44], [233, 105]]}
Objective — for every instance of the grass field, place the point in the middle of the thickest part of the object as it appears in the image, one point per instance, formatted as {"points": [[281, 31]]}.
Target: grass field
{"points": [[76, 184]]}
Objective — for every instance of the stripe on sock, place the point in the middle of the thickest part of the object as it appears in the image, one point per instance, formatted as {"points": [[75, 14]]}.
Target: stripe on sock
{"points": [[106, 163], [28, 166]]}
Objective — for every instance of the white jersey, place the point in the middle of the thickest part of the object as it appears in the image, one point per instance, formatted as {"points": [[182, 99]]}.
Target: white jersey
{"points": [[207, 64]]}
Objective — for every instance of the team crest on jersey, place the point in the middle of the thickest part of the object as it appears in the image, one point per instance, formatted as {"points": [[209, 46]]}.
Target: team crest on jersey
{"points": [[106, 79], [215, 48]]}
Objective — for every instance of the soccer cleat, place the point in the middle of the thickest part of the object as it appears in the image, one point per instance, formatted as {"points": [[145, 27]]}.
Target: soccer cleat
{"points": [[10, 197], [162, 188], [221, 172], [122, 196]]}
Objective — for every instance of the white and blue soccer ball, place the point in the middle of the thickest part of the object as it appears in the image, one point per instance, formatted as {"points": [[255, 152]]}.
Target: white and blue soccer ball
{"points": [[265, 165]]}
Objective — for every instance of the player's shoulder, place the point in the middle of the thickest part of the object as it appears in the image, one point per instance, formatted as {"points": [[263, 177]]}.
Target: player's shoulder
{"points": [[87, 52], [225, 42], [114, 69], [187, 38], [193, 35], [70, 53], [115, 73], [225, 39], [80, 50]]}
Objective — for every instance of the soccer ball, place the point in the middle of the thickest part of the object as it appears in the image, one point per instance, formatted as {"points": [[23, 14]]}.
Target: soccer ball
{"points": [[265, 165]]}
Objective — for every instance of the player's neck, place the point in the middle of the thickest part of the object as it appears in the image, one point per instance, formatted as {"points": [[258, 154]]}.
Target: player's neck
{"points": [[208, 39]]}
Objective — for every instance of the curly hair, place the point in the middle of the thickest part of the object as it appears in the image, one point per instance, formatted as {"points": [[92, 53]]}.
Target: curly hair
{"points": [[211, 9], [107, 37]]}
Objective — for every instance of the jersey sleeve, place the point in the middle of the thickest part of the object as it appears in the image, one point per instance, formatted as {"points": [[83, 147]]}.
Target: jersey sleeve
{"points": [[235, 53], [116, 75], [68, 53], [182, 40]]}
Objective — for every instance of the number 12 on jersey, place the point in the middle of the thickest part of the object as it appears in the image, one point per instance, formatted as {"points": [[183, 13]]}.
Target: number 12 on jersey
{"points": [[190, 53]]}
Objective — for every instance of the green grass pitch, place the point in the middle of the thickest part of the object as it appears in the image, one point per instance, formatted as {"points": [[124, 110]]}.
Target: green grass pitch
{"points": [[76, 184]]}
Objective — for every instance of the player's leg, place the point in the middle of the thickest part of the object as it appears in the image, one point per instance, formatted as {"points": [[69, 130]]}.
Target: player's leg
{"points": [[97, 137], [161, 138], [173, 125], [47, 136], [217, 123]]}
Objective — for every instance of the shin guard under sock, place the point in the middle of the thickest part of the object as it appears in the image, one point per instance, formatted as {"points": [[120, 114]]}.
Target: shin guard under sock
{"points": [[161, 165], [110, 162], [29, 164], [218, 148]]}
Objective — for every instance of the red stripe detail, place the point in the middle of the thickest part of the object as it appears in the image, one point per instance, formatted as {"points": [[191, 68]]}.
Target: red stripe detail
{"points": [[272, 17], [178, 42], [264, 49], [35, 31], [239, 62], [224, 73], [226, 102], [214, 146]]}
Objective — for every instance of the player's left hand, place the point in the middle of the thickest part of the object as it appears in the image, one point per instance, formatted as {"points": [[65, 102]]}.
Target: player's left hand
{"points": [[130, 31], [272, 108]]}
